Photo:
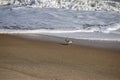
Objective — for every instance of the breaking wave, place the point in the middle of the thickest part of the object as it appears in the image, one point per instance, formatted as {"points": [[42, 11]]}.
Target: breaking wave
{"points": [[91, 5]]}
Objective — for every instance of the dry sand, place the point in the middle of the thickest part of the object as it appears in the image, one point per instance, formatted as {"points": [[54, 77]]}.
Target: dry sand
{"points": [[23, 59]]}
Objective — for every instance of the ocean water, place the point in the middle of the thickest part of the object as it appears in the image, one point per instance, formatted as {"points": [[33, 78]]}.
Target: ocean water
{"points": [[88, 19]]}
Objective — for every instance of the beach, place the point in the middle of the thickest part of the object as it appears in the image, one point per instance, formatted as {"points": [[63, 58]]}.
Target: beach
{"points": [[25, 59]]}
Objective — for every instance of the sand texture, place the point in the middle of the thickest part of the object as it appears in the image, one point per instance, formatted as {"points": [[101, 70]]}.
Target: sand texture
{"points": [[23, 59]]}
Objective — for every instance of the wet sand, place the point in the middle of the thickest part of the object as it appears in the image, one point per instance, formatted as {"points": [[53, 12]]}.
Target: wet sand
{"points": [[23, 59]]}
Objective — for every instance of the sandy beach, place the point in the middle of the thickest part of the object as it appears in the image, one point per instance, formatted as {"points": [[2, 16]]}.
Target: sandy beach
{"points": [[24, 59]]}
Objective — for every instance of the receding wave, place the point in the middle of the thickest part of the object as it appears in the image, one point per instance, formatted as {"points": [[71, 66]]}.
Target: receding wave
{"points": [[108, 30]]}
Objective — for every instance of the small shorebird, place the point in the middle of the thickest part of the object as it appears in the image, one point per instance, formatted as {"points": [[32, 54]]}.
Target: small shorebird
{"points": [[67, 41]]}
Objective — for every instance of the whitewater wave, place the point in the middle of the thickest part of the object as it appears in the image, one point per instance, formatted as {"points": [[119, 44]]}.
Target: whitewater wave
{"points": [[41, 31], [91, 5]]}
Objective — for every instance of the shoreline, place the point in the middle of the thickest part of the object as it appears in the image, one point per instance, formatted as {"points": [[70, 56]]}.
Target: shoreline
{"points": [[80, 42]]}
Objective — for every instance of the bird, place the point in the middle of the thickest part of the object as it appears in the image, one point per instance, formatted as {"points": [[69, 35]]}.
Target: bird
{"points": [[67, 41]]}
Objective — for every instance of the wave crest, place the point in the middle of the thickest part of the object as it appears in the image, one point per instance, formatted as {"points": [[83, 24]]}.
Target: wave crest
{"points": [[93, 5]]}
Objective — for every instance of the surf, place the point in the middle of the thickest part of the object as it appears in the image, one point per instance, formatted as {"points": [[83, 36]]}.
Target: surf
{"points": [[89, 5]]}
